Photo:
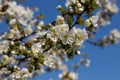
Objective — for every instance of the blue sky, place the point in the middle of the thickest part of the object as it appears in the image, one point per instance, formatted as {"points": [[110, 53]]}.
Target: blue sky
{"points": [[105, 63]]}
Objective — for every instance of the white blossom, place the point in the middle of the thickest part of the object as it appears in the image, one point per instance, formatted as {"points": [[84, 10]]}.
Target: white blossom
{"points": [[50, 62], [87, 63], [111, 7], [59, 20], [78, 6], [73, 75], [115, 33], [28, 30], [58, 7], [78, 52], [22, 74], [92, 20], [63, 33], [5, 59], [37, 48], [14, 33], [68, 76], [40, 24], [87, 23], [83, 1], [53, 35], [21, 14], [12, 21], [69, 2], [4, 46], [80, 36]]}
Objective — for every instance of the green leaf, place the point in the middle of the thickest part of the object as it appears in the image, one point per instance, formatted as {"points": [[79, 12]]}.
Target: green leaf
{"points": [[80, 21], [40, 16], [70, 20], [63, 11]]}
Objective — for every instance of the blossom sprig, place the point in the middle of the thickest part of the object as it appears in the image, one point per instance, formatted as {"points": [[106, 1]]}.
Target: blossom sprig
{"points": [[109, 8], [31, 47], [112, 38]]}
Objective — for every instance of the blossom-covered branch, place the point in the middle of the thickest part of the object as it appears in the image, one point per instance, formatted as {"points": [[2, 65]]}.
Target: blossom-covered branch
{"points": [[30, 47]]}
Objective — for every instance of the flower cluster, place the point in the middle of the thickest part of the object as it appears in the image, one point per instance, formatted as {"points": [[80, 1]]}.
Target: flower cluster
{"points": [[22, 74], [114, 37], [69, 76], [18, 13], [91, 23], [74, 6], [108, 9], [62, 32]]}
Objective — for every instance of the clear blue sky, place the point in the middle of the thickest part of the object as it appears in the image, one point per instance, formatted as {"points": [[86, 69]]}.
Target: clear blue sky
{"points": [[105, 63]]}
